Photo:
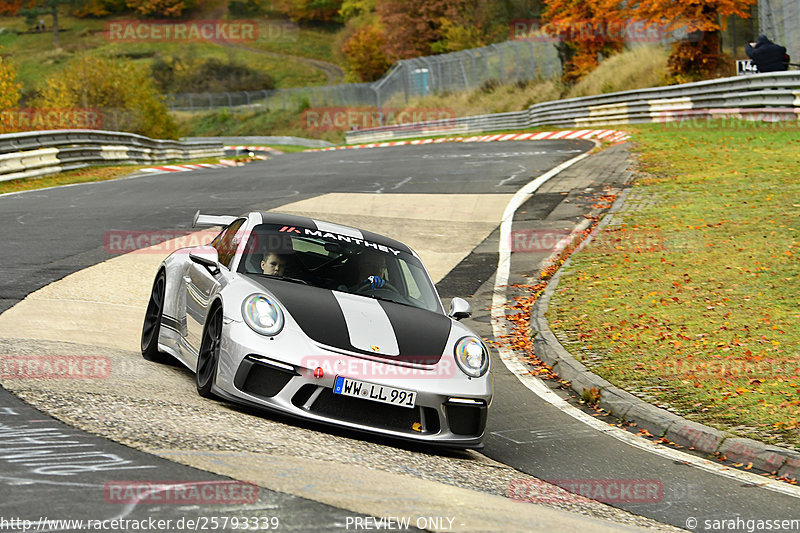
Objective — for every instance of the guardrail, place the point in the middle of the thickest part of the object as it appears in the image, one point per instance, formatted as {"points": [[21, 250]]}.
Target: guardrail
{"points": [[777, 94], [37, 153], [262, 140]]}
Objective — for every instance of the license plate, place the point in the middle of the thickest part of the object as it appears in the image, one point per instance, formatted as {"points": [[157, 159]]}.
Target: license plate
{"points": [[370, 391]]}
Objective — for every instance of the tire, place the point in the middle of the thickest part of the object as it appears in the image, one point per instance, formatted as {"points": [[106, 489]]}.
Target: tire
{"points": [[152, 321], [208, 358]]}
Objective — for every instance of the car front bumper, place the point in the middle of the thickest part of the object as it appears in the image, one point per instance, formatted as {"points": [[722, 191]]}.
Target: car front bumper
{"points": [[278, 374]]}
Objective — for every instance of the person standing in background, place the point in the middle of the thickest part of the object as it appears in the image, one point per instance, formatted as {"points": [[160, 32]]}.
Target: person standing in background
{"points": [[767, 56]]}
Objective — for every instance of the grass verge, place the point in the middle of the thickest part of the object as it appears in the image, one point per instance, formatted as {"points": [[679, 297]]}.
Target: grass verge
{"points": [[37, 59], [82, 175], [692, 301]]}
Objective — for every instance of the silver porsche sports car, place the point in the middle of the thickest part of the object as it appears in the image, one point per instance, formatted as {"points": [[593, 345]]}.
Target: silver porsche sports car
{"points": [[324, 322]]}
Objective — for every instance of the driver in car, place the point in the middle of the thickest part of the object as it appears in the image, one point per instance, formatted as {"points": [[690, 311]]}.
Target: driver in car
{"points": [[372, 270]]}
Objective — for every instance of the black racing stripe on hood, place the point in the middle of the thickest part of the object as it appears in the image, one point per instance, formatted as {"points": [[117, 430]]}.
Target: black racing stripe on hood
{"points": [[421, 334], [314, 309]]}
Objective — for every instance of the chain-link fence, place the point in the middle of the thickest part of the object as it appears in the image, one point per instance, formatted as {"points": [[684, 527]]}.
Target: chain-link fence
{"points": [[780, 21], [510, 61], [458, 71]]}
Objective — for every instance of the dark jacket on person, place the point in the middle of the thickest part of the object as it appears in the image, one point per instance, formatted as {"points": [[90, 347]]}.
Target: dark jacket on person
{"points": [[768, 56]]}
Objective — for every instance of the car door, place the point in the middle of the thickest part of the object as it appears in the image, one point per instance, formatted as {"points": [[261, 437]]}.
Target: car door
{"points": [[201, 284]]}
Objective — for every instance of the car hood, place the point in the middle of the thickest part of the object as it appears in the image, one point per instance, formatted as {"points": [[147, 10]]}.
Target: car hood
{"points": [[362, 324]]}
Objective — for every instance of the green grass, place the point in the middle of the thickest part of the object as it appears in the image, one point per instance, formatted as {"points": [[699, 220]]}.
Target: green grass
{"points": [[90, 174], [638, 68], [83, 175], [244, 123], [288, 148], [36, 59], [314, 43], [693, 302]]}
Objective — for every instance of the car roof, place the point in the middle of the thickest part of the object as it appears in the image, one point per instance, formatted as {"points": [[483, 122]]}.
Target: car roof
{"points": [[271, 217]]}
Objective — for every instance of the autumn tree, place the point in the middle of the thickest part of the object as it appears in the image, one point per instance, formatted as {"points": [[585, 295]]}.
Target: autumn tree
{"points": [[472, 25], [700, 55], [10, 7], [99, 8], [365, 55], [309, 10], [586, 30], [412, 26], [9, 86], [165, 8], [123, 92], [351, 9]]}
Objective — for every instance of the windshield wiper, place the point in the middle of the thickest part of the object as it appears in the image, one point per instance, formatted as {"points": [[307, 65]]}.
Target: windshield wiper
{"points": [[384, 299]]}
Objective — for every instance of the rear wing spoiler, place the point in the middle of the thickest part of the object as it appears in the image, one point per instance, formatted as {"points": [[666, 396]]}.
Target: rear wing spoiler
{"points": [[211, 220]]}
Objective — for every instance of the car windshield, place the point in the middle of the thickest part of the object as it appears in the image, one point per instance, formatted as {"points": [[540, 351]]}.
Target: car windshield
{"points": [[338, 262]]}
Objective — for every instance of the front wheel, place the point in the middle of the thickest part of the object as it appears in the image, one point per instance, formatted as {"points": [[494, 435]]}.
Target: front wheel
{"points": [[152, 321], [208, 358]]}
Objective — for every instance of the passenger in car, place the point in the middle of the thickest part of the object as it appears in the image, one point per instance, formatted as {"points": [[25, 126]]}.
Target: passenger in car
{"points": [[273, 264]]}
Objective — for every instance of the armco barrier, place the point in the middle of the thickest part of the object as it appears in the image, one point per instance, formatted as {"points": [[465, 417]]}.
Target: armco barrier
{"points": [[778, 93], [37, 153]]}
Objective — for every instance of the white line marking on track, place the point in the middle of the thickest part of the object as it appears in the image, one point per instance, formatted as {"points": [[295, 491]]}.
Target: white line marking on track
{"points": [[534, 384], [403, 182]]}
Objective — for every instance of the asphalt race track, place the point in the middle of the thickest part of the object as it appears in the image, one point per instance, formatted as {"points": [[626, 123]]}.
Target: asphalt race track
{"points": [[50, 234]]}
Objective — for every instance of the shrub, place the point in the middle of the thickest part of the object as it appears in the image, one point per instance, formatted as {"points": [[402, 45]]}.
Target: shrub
{"points": [[123, 92], [9, 86], [186, 75], [364, 51]]}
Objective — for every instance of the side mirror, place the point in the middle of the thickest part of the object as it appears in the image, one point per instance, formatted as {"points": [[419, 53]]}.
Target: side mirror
{"points": [[459, 308], [206, 256]]}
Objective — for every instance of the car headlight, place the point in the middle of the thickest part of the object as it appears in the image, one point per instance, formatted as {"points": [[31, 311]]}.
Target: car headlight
{"points": [[471, 357], [262, 314]]}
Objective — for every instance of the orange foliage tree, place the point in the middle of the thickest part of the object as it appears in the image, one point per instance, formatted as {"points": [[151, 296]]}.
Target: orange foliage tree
{"points": [[10, 7], [700, 55], [9, 86], [413, 26], [586, 29], [365, 55], [157, 8]]}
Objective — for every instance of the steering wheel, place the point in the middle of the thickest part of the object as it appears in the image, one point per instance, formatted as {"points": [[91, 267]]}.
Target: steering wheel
{"points": [[366, 286]]}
